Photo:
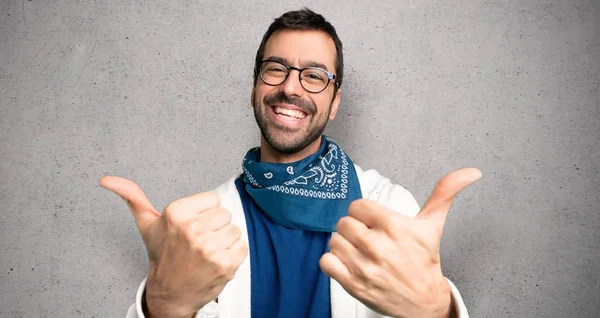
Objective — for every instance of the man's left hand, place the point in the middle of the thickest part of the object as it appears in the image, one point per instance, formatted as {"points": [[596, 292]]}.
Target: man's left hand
{"points": [[390, 262]]}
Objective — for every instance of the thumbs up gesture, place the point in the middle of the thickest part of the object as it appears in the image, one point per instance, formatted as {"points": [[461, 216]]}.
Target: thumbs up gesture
{"points": [[391, 263], [193, 248]]}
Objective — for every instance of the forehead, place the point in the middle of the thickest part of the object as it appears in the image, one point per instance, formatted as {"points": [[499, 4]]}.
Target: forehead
{"points": [[298, 47]]}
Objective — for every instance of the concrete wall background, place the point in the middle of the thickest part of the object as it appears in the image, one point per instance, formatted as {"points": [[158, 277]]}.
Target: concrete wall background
{"points": [[159, 92]]}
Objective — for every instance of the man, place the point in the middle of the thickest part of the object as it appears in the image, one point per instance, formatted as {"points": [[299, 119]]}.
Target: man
{"points": [[262, 244]]}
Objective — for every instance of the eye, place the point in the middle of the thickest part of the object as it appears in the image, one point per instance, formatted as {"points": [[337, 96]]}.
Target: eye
{"points": [[276, 69], [314, 75]]}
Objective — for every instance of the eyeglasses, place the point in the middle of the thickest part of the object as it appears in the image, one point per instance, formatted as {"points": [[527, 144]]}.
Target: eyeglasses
{"points": [[312, 79]]}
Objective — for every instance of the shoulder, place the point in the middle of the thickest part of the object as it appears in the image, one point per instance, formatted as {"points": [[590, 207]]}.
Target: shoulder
{"points": [[378, 188]]}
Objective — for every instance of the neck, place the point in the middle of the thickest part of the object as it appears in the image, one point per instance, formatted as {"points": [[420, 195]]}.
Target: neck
{"points": [[268, 154]]}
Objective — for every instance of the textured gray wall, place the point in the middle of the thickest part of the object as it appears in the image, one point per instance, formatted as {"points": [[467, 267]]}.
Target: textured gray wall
{"points": [[159, 92]]}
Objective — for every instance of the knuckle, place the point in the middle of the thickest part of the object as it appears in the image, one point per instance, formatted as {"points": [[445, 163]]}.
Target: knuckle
{"points": [[170, 213], [379, 253], [235, 231], [212, 199], [223, 268], [370, 272], [243, 249], [366, 240], [379, 247], [188, 232], [335, 241], [357, 205], [225, 214], [217, 218], [205, 249], [238, 252], [343, 223]]}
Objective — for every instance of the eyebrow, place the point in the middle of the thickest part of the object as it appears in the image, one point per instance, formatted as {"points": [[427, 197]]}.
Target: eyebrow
{"points": [[305, 64]]}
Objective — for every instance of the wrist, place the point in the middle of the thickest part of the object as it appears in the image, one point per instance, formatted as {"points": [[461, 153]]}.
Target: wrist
{"points": [[450, 309], [439, 303], [154, 307], [443, 305], [156, 310], [452, 313]]}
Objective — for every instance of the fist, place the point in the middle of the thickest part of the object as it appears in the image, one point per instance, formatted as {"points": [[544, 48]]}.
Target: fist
{"points": [[193, 249], [391, 263]]}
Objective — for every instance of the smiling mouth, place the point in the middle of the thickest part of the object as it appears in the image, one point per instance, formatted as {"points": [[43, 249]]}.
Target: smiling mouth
{"points": [[289, 113]]}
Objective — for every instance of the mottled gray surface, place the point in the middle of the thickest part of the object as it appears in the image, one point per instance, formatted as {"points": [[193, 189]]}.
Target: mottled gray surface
{"points": [[159, 92]]}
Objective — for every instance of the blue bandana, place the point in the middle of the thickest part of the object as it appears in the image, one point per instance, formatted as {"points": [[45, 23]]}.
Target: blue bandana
{"points": [[310, 194]]}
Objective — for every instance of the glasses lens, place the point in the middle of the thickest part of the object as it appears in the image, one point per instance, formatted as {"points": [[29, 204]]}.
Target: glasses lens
{"points": [[314, 79], [273, 73]]}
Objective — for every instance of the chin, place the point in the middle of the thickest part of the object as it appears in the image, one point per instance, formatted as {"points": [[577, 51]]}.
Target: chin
{"points": [[285, 145], [289, 144]]}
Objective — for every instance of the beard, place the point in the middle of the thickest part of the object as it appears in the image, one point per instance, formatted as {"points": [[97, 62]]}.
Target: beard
{"points": [[283, 139]]}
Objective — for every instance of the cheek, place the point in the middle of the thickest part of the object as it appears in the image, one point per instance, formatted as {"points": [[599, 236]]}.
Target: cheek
{"points": [[260, 92], [323, 105]]}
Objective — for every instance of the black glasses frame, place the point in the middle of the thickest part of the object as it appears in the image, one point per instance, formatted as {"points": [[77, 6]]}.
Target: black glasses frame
{"points": [[330, 76]]}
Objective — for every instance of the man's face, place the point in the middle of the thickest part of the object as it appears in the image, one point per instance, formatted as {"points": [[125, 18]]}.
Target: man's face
{"points": [[289, 117]]}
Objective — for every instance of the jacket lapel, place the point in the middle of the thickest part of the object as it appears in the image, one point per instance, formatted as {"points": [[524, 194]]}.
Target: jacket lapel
{"points": [[234, 300]]}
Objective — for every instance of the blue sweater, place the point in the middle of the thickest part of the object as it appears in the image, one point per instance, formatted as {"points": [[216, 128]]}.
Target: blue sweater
{"points": [[286, 280]]}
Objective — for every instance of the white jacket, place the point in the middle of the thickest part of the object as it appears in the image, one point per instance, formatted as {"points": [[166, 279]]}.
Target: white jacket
{"points": [[234, 300]]}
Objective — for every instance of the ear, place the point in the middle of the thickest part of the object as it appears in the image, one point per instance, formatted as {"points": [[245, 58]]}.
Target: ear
{"points": [[335, 103], [252, 96]]}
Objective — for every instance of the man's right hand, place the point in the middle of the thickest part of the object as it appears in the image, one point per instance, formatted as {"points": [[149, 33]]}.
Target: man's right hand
{"points": [[193, 248]]}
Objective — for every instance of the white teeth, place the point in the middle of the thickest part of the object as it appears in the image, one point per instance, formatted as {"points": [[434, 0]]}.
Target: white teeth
{"points": [[292, 113]]}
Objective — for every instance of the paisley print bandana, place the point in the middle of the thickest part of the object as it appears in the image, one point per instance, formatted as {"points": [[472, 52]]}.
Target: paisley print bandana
{"points": [[310, 194]]}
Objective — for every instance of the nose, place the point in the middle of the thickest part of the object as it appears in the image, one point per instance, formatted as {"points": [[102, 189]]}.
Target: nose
{"points": [[291, 86]]}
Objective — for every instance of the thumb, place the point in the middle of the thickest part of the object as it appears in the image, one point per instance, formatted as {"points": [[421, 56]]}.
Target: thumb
{"points": [[442, 196], [143, 211]]}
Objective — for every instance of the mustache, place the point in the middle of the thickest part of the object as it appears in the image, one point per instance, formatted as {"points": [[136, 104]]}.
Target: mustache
{"points": [[281, 98]]}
